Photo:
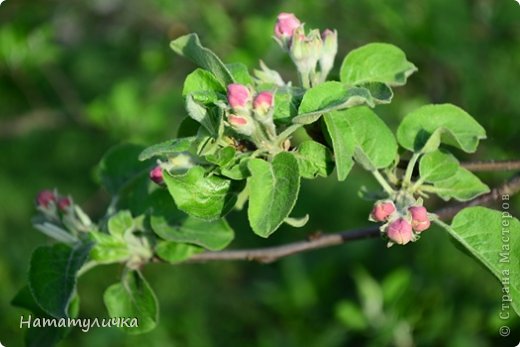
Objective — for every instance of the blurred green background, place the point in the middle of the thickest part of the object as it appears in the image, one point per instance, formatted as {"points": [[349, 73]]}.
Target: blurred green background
{"points": [[77, 77]]}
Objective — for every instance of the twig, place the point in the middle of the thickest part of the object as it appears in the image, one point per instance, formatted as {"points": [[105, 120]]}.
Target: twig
{"points": [[478, 166], [492, 165], [270, 254]]}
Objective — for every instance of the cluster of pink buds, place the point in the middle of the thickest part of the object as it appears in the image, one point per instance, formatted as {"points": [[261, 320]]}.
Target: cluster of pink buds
{"points": [[49, 202], [307, 50], [401, 225], [250, 114], [62, 219]]}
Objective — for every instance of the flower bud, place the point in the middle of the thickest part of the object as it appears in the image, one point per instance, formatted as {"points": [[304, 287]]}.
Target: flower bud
{"points": [[400, 231], [420, 219], [238, 96], [64, 203], [285, 25], [241, 124], [382, 211], [305, 51], [156, 175], [263, 102], [328, 53], [45, 198]]}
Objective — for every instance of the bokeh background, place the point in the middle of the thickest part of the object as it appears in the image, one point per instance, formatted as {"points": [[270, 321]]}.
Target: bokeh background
{"points": [[78, 76]]}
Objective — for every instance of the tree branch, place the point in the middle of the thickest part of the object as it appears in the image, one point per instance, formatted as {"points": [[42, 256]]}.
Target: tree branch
{"points": [[270, 254], [492, 165]]}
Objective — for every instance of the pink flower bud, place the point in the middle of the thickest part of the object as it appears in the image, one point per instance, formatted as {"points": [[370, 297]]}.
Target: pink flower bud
{"points": [[420, 219], [64, 203], [156, 175], [44, 198], [241, 124], [238, 95], [400, 231], [285, 25], [382, 211], [263, 102]]}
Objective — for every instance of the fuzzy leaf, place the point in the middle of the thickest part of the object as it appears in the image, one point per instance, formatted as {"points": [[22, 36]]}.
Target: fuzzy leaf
{"points": [[457, 128], [52, 276], [273, 188], [202, 196], [133, 298], [376, 62], [493, 238], [190, 47]]}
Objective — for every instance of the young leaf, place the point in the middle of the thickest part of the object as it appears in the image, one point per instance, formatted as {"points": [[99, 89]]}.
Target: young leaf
{"points": [[381, 93], [458, 128], [200, 195], [463, 185], [376, 62], [273, 189], [169, 147], [297, 222], [214, 235], [52, 276], [327, 97], [240, 73], [222, 156], [133, 298], [361, 133], [314, 159], [190, 47], [108, 249], [200, 114], [437, 166], [120, 223], [174, 252], [493, 238], [202, 81]]}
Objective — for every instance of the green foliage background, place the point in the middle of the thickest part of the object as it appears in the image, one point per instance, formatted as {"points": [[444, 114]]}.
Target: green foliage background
{"points": [[77, 77]]}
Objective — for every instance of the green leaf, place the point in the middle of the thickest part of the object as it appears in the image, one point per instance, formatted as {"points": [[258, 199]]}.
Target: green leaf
{"points": [[190, 47], [42, 336], [457, 128], [167, 148], [493, 238], [376, 62], [208, 197], [214, 235], [133, 298], [314, 159], [284, 106], [222, 156], [437, 166], [108, 249], [463, 185], [240, 73], [24, 299], [52, 276], [297, 222], [273, 189], [202, 81], [380, 92], [327, 97], [201, 114], [174, 252], [119, 167], [361, 133], [121, 223], [351, 316]]}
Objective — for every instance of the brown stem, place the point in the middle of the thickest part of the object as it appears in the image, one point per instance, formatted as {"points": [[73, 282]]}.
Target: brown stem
{"points": [[270, 254]]}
